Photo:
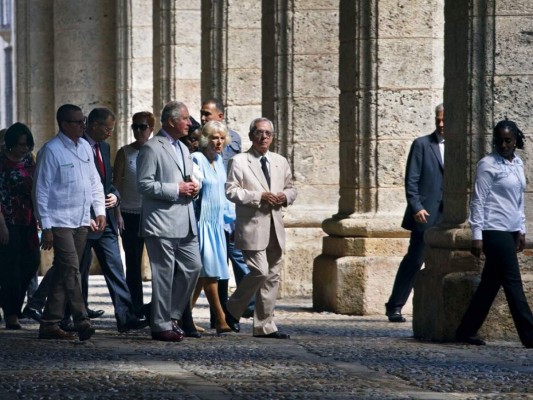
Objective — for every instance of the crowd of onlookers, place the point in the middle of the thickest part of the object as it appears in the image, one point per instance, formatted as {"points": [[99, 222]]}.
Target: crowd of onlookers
{"points": [[169, 195]]}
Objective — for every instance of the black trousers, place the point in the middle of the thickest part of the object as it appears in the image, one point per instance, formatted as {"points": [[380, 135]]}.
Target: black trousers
{"points": [[133, 246], [409, 266], [501, 269]]}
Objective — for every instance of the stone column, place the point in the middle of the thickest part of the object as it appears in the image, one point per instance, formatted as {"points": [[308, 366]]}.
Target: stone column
{"points": [[34, 58], [231, 59], [300, 94], [390, 80], [488, 75], [176, 59]]}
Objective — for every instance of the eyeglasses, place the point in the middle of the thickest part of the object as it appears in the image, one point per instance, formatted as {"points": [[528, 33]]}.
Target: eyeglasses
{"points": [[261, 132], [80, 122], [142, 127], [108, 130]]}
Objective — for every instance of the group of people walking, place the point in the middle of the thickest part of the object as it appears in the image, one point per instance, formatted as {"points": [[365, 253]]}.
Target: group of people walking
{"points": [[158, 195], [194, 201]]}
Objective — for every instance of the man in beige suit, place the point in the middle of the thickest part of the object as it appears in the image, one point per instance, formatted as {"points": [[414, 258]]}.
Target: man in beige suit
{"points": [[260, 184]]}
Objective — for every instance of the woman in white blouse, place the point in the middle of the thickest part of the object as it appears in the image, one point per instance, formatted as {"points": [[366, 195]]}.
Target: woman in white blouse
{"points": [[497, 221]]}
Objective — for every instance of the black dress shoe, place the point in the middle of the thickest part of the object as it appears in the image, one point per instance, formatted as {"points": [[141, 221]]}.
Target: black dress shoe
{"points": [[474, 340], [92, 314], [32, 313], [13, 327], [85, 330], [394, 314], [274, 335], [248, 313], [167, 336], [133, 324], [232, 322], [193, 334]]}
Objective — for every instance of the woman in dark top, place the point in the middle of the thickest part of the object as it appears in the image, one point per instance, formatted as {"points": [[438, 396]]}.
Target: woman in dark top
{"points": [[19, 244], [498, 224]]}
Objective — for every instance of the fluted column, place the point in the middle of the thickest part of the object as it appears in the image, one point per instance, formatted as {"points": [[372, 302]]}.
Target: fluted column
{"points": [[390, 81]]}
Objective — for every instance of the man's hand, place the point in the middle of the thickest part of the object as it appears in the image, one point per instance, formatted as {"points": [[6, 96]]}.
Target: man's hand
{"points": [[282, 199], [98, 225], [110, 200], [47, 239], [269, 198], [476, 248], [521, 243], [421, 217], [188, 189]]}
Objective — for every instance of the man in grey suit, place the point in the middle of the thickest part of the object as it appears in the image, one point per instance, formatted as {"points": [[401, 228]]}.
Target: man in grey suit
{"points": [[423, 190], [260, 184], [168, 224]]}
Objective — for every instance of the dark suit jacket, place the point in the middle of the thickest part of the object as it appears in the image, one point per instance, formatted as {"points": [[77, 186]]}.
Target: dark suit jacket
{"points": [[423, 182], [107, 183]]}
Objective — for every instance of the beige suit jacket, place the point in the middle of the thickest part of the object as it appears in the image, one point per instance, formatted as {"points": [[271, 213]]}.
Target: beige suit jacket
{"points": [[244, 186]]}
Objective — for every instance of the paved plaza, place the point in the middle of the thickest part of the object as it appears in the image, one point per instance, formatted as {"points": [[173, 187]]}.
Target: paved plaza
{"points": [[328, 357]]}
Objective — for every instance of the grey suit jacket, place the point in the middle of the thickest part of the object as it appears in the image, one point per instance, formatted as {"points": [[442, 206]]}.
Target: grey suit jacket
{"points": [[244, 186], [164, 213]]}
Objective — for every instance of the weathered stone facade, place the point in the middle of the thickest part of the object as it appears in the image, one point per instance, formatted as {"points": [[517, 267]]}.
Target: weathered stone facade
{"points": [[349, 85]]}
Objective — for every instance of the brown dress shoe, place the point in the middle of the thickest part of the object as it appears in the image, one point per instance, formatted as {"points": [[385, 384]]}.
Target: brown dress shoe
{"points": [[56, 333], [85, 330], [167, 336]]}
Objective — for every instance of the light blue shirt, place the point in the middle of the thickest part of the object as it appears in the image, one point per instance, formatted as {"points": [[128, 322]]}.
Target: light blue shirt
{"points": [[67, 184], [498, 199]]}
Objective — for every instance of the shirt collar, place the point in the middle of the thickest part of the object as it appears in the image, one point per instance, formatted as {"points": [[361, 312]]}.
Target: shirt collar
{"points": [[172, 141]]}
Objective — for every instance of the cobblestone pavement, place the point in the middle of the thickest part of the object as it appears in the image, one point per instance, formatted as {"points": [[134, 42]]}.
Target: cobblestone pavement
{"points": [[328, 357]]}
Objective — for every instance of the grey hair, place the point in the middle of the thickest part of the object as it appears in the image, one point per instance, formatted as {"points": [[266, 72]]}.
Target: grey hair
{"points": [[172, 110], [211, 128], [253, 124], [439, 108]]}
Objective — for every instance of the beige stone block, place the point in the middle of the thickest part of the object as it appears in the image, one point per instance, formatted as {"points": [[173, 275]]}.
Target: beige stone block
{"points": [[244, 14], [141, 42], [315, 76], [317, 194], [364, 247], [240, 41], [308, 211], [315, 162], [392, 200], [303, 246], [142, 75], [389, 167], [187, 65], [396, 67], [188, 91], [513, 45], [513, 7], [244, 85], [186, 4], [508, 99], [300, 5], [353, 285], [83, 15], [239, 116], [411, 19], [189, 27], [369, 225], [315, 119], [407, 113], [141, 13], [316, 32]]}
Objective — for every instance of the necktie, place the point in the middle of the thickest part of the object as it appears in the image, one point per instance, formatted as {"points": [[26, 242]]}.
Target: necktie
{"points": [[99, 161], [264, 167]]}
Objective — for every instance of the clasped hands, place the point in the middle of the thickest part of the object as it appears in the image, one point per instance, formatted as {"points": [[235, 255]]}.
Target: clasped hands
{"points": [[273, 199], [188, 188]]}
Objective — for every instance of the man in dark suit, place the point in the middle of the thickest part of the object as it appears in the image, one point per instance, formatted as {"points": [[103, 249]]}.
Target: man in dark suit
{"points": [[100, 126], [423, 190], [167, 184]]}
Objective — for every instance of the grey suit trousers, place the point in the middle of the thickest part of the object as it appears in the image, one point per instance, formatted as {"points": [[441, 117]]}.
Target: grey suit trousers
{"points": [[175, 266]]}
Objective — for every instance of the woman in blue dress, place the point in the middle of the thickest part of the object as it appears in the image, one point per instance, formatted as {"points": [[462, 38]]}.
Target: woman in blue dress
{"points": [[211, 206]]}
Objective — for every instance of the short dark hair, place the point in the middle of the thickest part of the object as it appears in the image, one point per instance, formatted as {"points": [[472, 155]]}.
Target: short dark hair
{"points": [[63, 112], [100, 115], [145, 114], [218, 104], [511, 127], [14, 132]]}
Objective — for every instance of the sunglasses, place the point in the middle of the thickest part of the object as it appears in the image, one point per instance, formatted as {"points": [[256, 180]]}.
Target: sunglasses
{"points": [[142, 127]]}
